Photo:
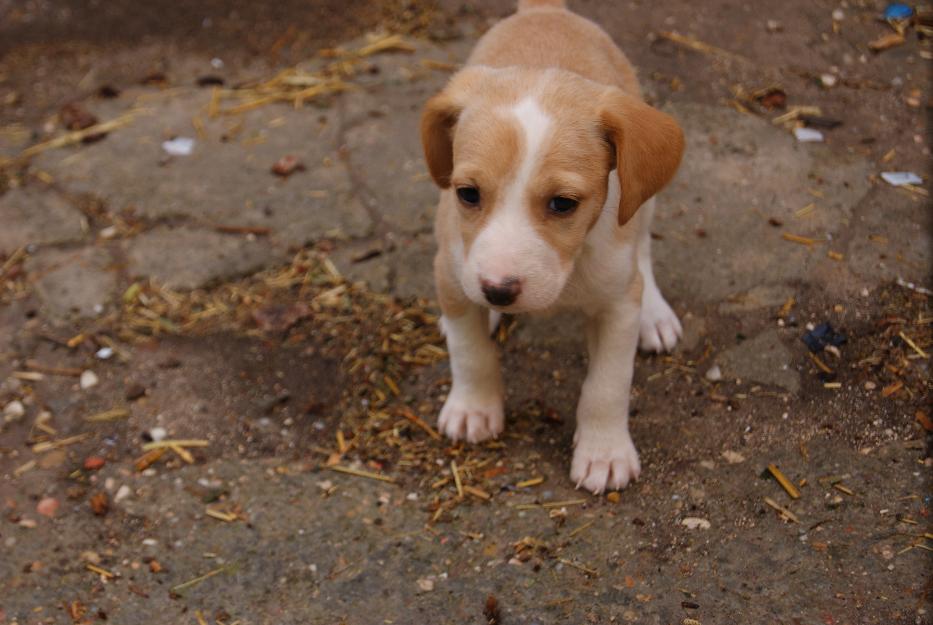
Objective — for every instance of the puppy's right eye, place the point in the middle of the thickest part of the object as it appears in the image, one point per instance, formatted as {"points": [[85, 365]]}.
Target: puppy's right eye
{"points": [[468, 195]]}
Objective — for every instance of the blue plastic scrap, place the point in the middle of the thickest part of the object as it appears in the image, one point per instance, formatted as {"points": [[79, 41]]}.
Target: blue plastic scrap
{"points": [[822, 335], [898, 11]]}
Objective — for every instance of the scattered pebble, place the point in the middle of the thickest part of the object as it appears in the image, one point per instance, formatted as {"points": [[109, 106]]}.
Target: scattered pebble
{"points": [[133, 391], [88, 380], [425, 584], [93, 463], [100, 504], [692, 523], [613, 497], [47, 506], [122, 493], [829, 80], [714, 374], [157, 434], [733, 457], [27, 523], [287, 165], [104, 353], [838, 15], [179, 146], [13, 411]]}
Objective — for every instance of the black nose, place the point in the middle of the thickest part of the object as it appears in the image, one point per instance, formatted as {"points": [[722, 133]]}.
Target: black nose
{"points": [[502, 294]]}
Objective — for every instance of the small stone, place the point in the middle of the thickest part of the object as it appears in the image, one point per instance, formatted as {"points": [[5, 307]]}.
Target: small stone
{"points": [[157, 434], [13, 411], [100, 504], [104, 353], [27, 523], [870, 386], [613, 497], [733, 457], [133, 391], [714, 374], [828, 80], [93, 463], [774, 26], [88, 380], [122, 493], [90, 556], [47, 506], [425, 584], [839, 15], [692, 523]]}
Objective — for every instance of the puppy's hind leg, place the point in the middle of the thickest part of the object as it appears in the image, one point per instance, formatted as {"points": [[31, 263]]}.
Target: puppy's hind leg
{"points": [[659, 326]]}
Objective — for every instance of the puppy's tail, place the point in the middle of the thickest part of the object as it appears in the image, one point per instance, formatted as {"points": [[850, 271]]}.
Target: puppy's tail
{"points": [[524, 5]]}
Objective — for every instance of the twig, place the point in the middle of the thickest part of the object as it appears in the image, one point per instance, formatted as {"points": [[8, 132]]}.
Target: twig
{"points": [[198, 580], [96, 569], [453, 469], [359, 473], [580, 529], [784, 512], [170, 442], [908, 340], [551, 504], [784, 482], [579, 567], [108, 415], [411, 416], [79, 135], [64, 442]]}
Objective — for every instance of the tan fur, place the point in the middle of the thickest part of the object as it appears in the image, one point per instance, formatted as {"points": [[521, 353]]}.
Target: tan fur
{"points": [[546, 108]]}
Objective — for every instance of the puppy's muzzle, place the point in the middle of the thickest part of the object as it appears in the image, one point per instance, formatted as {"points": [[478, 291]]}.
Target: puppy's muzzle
{"points": [[501, 294]]}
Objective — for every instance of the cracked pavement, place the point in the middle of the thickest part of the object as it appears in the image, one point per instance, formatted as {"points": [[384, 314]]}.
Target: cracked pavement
{"points": [[695, 540]]}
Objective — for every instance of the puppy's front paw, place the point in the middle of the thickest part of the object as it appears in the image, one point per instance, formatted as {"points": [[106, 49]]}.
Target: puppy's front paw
{"points": [[471, 416], [660, 327], [604, 458]]}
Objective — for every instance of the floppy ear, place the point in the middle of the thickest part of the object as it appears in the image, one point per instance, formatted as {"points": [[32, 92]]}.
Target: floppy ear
{"points": [[440, 117], [648, 146], [437, 125]]}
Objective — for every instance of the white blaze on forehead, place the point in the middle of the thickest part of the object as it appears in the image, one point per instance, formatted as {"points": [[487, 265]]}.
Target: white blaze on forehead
{"points": [[535, 125], [510, 245]]}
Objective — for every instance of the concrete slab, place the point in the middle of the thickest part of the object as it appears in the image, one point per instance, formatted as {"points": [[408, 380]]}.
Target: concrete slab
{"points": [[32, 216], [738, 172], [227, 179], [73, 283], [763, 358], [181, 258]]}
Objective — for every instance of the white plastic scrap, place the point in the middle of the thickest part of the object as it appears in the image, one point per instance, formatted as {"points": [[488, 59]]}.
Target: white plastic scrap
{"points": [[808, 135], [179, 146], [900, 178]]}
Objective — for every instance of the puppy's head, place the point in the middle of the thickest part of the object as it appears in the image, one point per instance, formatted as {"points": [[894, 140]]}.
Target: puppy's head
{"points": [[525, 155]]}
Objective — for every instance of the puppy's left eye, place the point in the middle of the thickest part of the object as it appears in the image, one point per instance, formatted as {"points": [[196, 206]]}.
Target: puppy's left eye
{"points": [[562, 205]]}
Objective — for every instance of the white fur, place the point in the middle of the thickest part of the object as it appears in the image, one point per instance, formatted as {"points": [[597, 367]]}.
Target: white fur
{"points": [[599, 285], [660, 328], [474, 407], [509, 246]]}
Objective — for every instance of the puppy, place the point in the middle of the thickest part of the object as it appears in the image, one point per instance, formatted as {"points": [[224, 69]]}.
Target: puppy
{"points": [[544, 152]]}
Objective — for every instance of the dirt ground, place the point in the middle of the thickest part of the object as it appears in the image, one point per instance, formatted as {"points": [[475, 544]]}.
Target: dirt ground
{"points": [[281, 330]]}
